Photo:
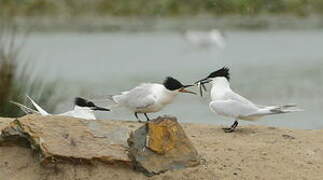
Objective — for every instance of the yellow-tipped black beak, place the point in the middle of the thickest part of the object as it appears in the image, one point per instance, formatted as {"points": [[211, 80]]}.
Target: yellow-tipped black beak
{"points": [[186, 86], [100, 109]]}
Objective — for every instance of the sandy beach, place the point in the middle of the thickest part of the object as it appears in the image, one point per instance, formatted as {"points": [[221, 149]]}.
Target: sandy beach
{"points": [[252, 152]]}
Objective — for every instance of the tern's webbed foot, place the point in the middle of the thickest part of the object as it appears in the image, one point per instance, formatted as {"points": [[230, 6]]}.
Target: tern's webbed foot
{"points": [[232, 128], [228, 130]]}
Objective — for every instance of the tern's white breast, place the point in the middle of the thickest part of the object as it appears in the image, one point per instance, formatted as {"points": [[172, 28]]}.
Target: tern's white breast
{"points": [[80, 113]]}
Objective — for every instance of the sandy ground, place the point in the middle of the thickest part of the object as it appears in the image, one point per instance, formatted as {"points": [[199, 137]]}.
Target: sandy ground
{"points": [[252, 152]]}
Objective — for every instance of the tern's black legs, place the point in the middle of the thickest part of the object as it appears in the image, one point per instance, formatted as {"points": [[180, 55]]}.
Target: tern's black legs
{"points": [[232, 127], [146, 117], [136, 114]]}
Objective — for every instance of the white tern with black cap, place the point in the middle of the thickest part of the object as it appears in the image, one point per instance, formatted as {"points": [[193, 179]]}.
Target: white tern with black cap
{"points": [[82, 109], [150, 97], [226, 102]]}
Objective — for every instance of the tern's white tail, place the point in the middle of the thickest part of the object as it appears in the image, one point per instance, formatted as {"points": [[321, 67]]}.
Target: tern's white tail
{"points": [[278, 109], [39, 109], [113, 104], [110, 97], [24, 108]]}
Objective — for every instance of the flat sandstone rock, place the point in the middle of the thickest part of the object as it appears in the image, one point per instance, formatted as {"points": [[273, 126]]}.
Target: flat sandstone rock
{"points": [[155, 147], [4, 122], [71, 139]]}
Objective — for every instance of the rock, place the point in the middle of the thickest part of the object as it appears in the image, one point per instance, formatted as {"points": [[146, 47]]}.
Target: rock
{"points": [[161, 145], [59, 138], [4, 122], [155, 147]]}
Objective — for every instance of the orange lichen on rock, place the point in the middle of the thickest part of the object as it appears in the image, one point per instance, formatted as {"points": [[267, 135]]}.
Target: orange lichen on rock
{"points": [[162, 135], [161, 145]]}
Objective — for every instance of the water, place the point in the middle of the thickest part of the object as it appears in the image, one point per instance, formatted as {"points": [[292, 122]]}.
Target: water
{"points": [[268, 67]]}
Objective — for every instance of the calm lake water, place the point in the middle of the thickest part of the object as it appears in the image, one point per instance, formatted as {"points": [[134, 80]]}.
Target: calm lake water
{"points": [[268, 67]]}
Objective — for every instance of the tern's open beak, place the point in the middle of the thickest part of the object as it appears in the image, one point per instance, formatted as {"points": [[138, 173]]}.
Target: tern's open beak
{"points": [[100, 109], [183, 90]]}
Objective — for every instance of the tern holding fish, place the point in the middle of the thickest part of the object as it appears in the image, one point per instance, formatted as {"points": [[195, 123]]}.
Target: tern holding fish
{"points": [[226, 102]]}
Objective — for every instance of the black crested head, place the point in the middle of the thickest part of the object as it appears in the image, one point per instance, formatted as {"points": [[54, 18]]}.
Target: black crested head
{"points": [[223, 72], [83, 102], [172, 84]]}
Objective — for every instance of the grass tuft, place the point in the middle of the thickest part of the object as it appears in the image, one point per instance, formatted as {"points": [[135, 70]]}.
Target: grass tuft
{"points": [[16, 80]]}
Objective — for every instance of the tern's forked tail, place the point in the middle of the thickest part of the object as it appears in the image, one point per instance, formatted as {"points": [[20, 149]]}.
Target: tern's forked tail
{"points": [[39, 109], [113, 104], [24, 108], [278, 109]]}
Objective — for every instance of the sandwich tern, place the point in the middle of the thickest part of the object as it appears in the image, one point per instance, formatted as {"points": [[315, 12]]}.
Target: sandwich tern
{"points": [[227, 103], [82, 109], [150, 97]]}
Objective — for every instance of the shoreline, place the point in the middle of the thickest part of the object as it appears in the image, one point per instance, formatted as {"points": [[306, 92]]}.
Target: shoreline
{"points": [[179, 24]]}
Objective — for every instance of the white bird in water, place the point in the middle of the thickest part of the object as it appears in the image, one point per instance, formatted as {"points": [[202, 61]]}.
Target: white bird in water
{"points": [[82, 109], [150, 97], [227, 103], [206, 39]]}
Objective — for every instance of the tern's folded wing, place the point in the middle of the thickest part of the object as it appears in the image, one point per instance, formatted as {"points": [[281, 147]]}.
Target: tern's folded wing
{"points": [[140, 102], [138, 98], [236, 97], [232, 108]]}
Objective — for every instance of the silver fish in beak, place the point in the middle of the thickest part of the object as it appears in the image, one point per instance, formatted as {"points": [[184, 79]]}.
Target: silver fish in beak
{"points": [[201, 85]]}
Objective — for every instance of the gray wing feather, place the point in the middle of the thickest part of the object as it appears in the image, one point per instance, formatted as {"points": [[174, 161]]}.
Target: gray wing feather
{"points": [[236, 97], [137, 98], [232, 108]]}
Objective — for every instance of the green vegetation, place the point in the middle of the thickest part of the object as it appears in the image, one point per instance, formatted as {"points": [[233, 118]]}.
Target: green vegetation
{"points": [[164, 8], [16, 81]]}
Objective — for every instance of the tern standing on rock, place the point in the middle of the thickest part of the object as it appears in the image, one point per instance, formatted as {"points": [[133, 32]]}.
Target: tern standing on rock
{"points": [[82, 109], [150, 97], [226, 102]]}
